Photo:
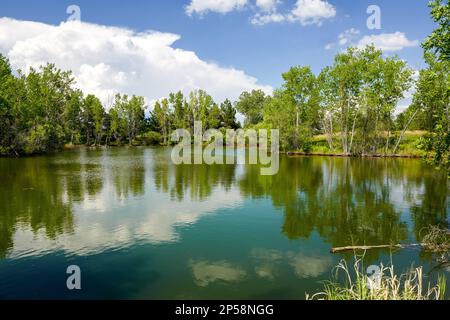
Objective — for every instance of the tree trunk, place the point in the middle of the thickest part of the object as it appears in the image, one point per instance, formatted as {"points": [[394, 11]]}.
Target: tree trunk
{"points": [[387, 141], [353, 132], [404, 131]]}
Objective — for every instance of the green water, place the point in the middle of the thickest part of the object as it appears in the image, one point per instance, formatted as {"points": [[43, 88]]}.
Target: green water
{"points": [[140, 227]]}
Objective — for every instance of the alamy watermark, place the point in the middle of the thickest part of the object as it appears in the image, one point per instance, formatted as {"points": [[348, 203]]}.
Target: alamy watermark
{"points": [[74, 280], [374, 278], [74, 13], [222, 149], [374, 19]]}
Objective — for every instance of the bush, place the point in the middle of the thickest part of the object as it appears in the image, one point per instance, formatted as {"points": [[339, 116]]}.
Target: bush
{"points": [[150, 138]]}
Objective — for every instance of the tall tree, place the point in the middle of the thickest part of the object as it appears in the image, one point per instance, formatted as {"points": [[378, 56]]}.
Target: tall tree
{"points": [[228, 115], [251, 105], [438, 44], [161, 113], [300, 87], [93, 115], [73, 117], [48, 93]]}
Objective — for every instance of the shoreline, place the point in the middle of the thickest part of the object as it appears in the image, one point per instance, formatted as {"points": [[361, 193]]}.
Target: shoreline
{"points": [[287, 153], [344, 155]]}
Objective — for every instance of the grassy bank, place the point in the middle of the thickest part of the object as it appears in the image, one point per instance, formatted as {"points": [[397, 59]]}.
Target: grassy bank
{"points": [[409, 147]]}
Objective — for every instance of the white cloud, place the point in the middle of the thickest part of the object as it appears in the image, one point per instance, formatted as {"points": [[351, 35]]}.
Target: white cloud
{"points": [[306, 12], [329, 46], [309, 12], [388, 41], [205, 272], [348, 36], [267, 5], [221, 6], [262, 19], [345, 39], [106, 60]]}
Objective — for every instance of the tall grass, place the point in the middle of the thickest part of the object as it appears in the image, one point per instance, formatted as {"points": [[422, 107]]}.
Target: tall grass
{"points": [[385, 285]]}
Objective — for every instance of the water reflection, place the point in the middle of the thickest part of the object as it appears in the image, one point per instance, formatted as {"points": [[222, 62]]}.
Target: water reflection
{"points": [[270, 261], [352, 200], [87, 201], [205, 272], [31, 197]]}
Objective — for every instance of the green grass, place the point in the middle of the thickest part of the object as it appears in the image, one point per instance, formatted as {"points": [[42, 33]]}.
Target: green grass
{"points": [[409, 145]]}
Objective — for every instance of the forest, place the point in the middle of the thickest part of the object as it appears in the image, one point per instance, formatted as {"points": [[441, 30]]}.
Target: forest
{"points": [[349, 108]]}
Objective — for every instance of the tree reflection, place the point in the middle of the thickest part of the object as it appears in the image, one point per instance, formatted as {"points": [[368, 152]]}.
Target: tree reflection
{"points": [[128, 172], [195, 181], [30, 195], [345, 201], [351, 201]]}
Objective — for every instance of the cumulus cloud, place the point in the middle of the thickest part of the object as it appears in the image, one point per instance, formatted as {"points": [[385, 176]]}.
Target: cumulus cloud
{"points": [[309, 12], [202, 7], [106, 60], [388, 41], [306, 12]]}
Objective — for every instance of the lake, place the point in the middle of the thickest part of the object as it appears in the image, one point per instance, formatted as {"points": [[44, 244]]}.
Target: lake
{"points": [[140, 227]]}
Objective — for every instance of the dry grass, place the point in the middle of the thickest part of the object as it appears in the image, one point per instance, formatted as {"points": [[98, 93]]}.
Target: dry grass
{"points": [[386, 285], [436, 239]]}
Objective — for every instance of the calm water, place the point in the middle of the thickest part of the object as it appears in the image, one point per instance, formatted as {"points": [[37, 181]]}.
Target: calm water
{"points": [[140, 227]]}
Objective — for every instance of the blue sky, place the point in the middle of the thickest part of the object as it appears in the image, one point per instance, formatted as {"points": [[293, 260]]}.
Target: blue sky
{"points": [[230, 40]]}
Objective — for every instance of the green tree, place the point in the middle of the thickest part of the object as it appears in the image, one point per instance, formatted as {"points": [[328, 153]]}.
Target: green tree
{"points": [[93, 115], [251, 105], [48, 92], [359, 95], [300, 87], [228, 115], [180, 118], [214, 117], [439, 40], [73, 117], [432, 97], [438, 44], [127, 117], [161, 113]]}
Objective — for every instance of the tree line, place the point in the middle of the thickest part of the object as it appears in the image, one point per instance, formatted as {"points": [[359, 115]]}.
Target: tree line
{"points": [[42, 111], [351, 103]]}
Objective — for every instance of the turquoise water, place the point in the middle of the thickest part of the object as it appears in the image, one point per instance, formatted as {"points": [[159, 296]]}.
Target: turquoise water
{"points": [[140, 227]]}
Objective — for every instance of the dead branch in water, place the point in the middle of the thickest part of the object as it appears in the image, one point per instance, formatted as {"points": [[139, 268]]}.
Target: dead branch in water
{"points": [[436, 240], [365, 248]]}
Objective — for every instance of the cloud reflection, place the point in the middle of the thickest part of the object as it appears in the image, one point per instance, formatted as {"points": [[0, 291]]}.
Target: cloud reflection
{"points": [[205, 272]]}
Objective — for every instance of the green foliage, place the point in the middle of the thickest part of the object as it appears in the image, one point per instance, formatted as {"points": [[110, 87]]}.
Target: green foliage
{"points": [[179, 112], [432, 99], [150, 138], [127, 118], [251, 105], [40, 112], [228, 115], [294, 108], [439, 41]]}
